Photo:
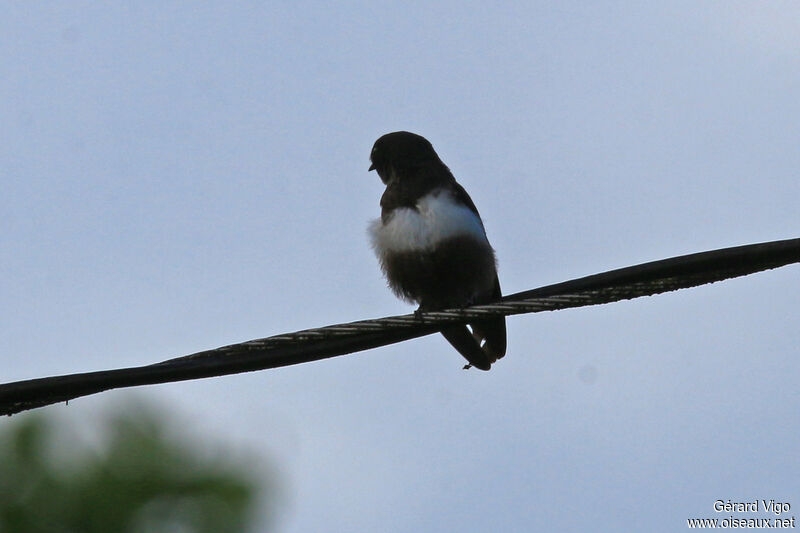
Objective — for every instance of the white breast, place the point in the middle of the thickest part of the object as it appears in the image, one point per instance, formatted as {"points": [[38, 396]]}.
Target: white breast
{"points": [[437, 217]]}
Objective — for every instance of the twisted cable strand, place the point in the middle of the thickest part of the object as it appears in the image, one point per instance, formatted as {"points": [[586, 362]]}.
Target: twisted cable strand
{"points": [[339, 339]]}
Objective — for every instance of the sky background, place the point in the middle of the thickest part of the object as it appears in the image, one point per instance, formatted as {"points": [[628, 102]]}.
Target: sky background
{"points": [[179, 176]]}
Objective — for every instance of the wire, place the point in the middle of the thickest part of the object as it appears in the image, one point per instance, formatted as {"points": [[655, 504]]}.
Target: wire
{"points": [[319, 343]]}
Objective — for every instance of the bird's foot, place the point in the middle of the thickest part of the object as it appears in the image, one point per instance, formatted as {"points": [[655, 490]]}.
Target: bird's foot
{"points": [[469, 303]]}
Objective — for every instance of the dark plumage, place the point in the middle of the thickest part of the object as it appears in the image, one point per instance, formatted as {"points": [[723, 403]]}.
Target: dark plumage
{"points": [[431, 243]]}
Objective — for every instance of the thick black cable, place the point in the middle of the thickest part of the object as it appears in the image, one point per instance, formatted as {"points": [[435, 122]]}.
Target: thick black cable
{"points": [[320, 343]]}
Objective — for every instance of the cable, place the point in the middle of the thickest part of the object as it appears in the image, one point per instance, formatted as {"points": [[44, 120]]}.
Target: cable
{"points": [[339, 339]]}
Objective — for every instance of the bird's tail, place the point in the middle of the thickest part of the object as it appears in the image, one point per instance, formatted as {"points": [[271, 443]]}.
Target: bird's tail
{"points": [[481, 347]]}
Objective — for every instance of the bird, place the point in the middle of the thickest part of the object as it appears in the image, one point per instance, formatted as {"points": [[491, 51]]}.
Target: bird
{"points": [[431, 243]]}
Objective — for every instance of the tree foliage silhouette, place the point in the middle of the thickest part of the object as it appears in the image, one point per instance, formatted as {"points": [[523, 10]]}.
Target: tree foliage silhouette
{"points": [[139, 480]]}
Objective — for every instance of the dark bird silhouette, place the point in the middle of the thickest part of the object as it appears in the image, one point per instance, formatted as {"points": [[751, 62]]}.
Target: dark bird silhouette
{"points": [[432, 245]]}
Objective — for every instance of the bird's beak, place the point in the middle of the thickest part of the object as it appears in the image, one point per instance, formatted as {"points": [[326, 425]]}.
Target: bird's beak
{"points": [[371, 167]]}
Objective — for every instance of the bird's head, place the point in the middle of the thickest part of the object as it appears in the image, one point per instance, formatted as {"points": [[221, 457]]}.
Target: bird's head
{"points": [[400, 150]]}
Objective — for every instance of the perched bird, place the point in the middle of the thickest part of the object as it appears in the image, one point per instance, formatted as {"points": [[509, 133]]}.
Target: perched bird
{"points": [[431, 243]]}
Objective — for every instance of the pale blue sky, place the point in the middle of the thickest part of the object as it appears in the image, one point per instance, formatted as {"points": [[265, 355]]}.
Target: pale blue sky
{"points": [[178, 176]]}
